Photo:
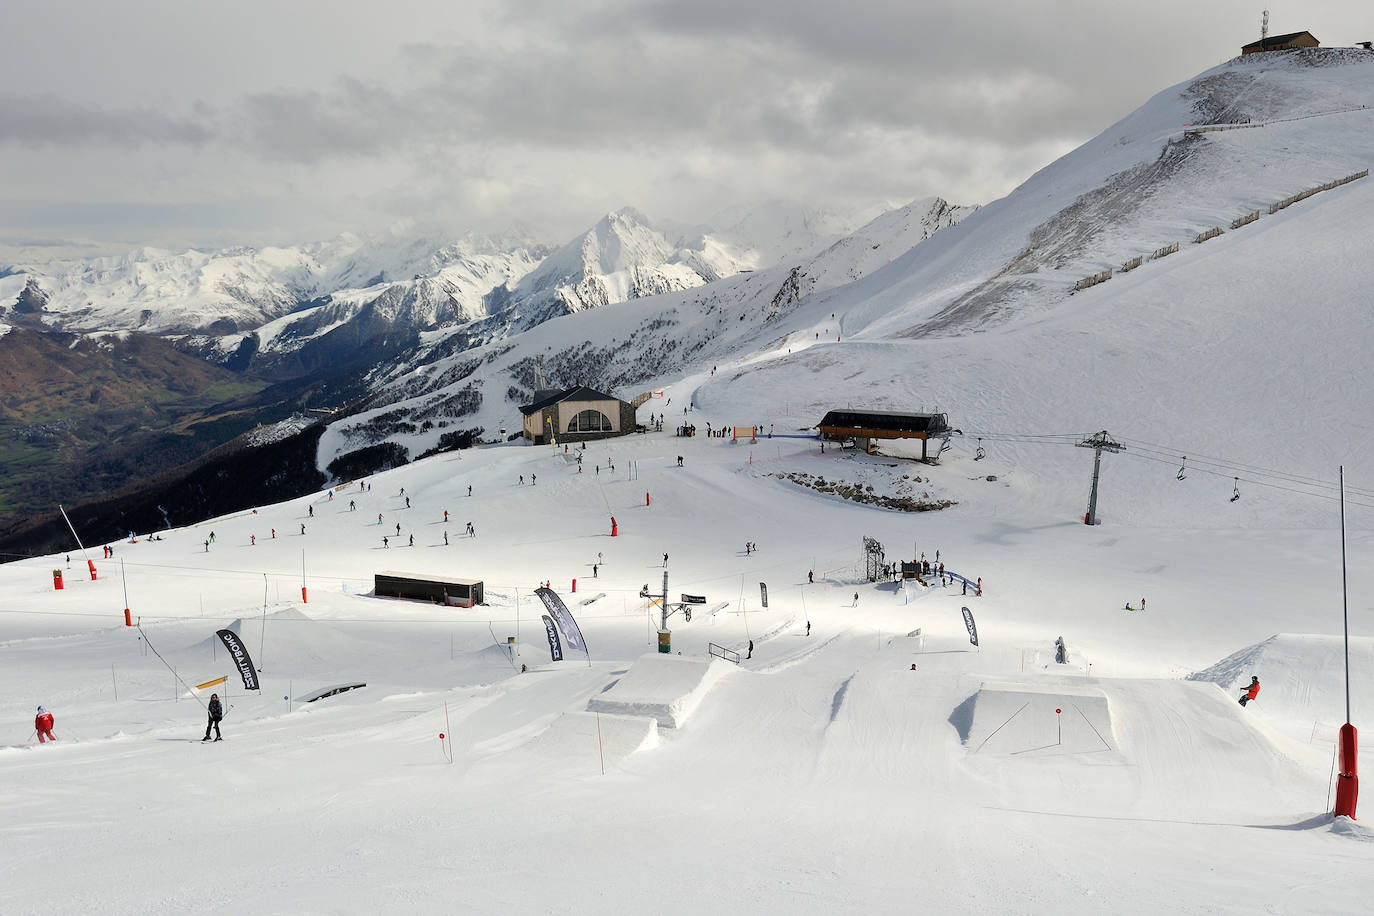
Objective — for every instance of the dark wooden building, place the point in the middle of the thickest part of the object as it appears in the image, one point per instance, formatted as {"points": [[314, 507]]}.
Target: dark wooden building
{"points": [[576, 414], [865, 426], [1281, 43]]}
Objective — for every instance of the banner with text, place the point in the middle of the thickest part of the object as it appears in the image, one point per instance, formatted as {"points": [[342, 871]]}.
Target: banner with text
{"points": [[972, 628], [563, 617], [239, 653], [555, 647]]}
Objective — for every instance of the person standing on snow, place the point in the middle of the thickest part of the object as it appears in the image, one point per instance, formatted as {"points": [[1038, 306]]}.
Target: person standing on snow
{"points": [[42, 723], [216, 713], [1251, 692], [751, 649]]}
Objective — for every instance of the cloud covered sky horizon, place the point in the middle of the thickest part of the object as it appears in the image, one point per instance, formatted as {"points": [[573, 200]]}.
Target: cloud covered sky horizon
{"points": [[259, 123]]}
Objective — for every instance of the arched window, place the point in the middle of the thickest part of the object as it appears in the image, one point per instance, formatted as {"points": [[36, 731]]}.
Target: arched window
{"points": [[590, 421]]}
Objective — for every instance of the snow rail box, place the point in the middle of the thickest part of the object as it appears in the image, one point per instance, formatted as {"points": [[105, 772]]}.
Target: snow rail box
{"points": [[452, 592]]}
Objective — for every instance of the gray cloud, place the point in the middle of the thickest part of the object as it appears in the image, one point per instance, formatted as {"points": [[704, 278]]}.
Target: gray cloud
{"points": [[48, 120], [551, 112]]}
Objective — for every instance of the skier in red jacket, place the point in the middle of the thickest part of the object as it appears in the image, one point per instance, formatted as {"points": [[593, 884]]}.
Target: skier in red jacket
{"points": [[1250, 692], [42, 723]]}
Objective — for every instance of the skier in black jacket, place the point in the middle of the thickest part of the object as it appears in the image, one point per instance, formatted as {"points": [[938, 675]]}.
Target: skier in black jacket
{"points": [[216, 713]]}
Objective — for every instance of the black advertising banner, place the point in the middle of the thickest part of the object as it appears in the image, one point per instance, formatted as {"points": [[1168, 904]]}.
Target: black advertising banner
{"points": [[763, 593], [972, 629], [239, 653], [693, 599], [559, 610], [555, 647]]}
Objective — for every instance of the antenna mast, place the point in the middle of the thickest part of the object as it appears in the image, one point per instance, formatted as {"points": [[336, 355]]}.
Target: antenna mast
{"points": [[1264, 29]]}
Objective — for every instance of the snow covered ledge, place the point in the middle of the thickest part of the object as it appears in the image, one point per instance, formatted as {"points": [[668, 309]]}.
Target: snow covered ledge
{"points": [[667, 688]]}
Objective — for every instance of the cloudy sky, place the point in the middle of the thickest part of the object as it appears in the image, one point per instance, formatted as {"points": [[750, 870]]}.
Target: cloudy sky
{"points": [[183, 124]]}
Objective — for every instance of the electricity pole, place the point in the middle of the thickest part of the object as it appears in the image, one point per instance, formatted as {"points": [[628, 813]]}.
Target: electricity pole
{"points": [[1098, 442]]}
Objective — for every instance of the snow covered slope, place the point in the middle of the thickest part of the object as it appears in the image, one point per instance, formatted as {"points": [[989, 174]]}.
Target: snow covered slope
{"points": [[981, 320], [868, 757]]}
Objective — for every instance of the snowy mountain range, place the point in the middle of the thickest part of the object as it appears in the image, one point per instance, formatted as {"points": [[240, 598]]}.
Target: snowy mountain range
{"points": [[450, 354], [1129, 206]]}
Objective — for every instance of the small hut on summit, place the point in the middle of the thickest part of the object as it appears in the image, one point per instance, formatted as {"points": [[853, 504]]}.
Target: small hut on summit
{"points": [[576, 414], [1281, 43], [865, 426]]}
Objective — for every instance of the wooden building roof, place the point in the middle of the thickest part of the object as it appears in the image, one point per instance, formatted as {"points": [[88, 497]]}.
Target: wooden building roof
{"points": [[576, 393], [1281, 42], [883, 424]]}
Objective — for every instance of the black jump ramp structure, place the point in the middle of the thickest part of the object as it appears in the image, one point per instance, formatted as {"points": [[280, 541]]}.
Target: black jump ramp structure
{"points": [[451, 591]]}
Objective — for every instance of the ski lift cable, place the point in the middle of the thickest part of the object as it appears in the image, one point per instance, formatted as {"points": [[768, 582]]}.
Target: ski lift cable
{"points": [[1247, 468], [1200, 462], [1256, 482], [1223, 467]]}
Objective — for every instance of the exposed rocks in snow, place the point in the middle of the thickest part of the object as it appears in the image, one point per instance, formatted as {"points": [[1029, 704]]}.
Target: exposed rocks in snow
{"points": [[863, 493]]}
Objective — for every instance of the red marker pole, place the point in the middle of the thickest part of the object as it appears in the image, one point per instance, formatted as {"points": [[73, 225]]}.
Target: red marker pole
{"points": [[1059, 720], [1348, 782]]}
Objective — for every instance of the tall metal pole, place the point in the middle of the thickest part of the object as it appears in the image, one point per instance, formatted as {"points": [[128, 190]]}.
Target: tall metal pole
{"points": [[1098, 442], [1345, 601], [664, 627], [1348, 782]]}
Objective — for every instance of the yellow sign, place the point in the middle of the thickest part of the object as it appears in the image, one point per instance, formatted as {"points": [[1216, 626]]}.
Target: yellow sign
{"points": [[218, 680]]}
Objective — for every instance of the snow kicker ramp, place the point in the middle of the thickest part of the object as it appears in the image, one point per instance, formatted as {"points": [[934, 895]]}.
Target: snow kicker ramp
{"points": [[666, 688], [587, 736], [1048, 720], [1175, 749]]}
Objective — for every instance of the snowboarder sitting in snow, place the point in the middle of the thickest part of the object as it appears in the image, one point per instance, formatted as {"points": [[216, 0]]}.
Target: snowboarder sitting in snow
{"points": [[42, 723], [1251, 692], [216, 713]]}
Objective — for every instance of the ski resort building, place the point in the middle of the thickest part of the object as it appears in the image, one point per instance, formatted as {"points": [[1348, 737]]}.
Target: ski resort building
{"points": [[1281, 43], [576, 414], [866, 426]]}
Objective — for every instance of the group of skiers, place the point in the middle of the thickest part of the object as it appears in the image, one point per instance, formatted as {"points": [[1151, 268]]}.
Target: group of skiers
{"points": [[43, 722]]}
